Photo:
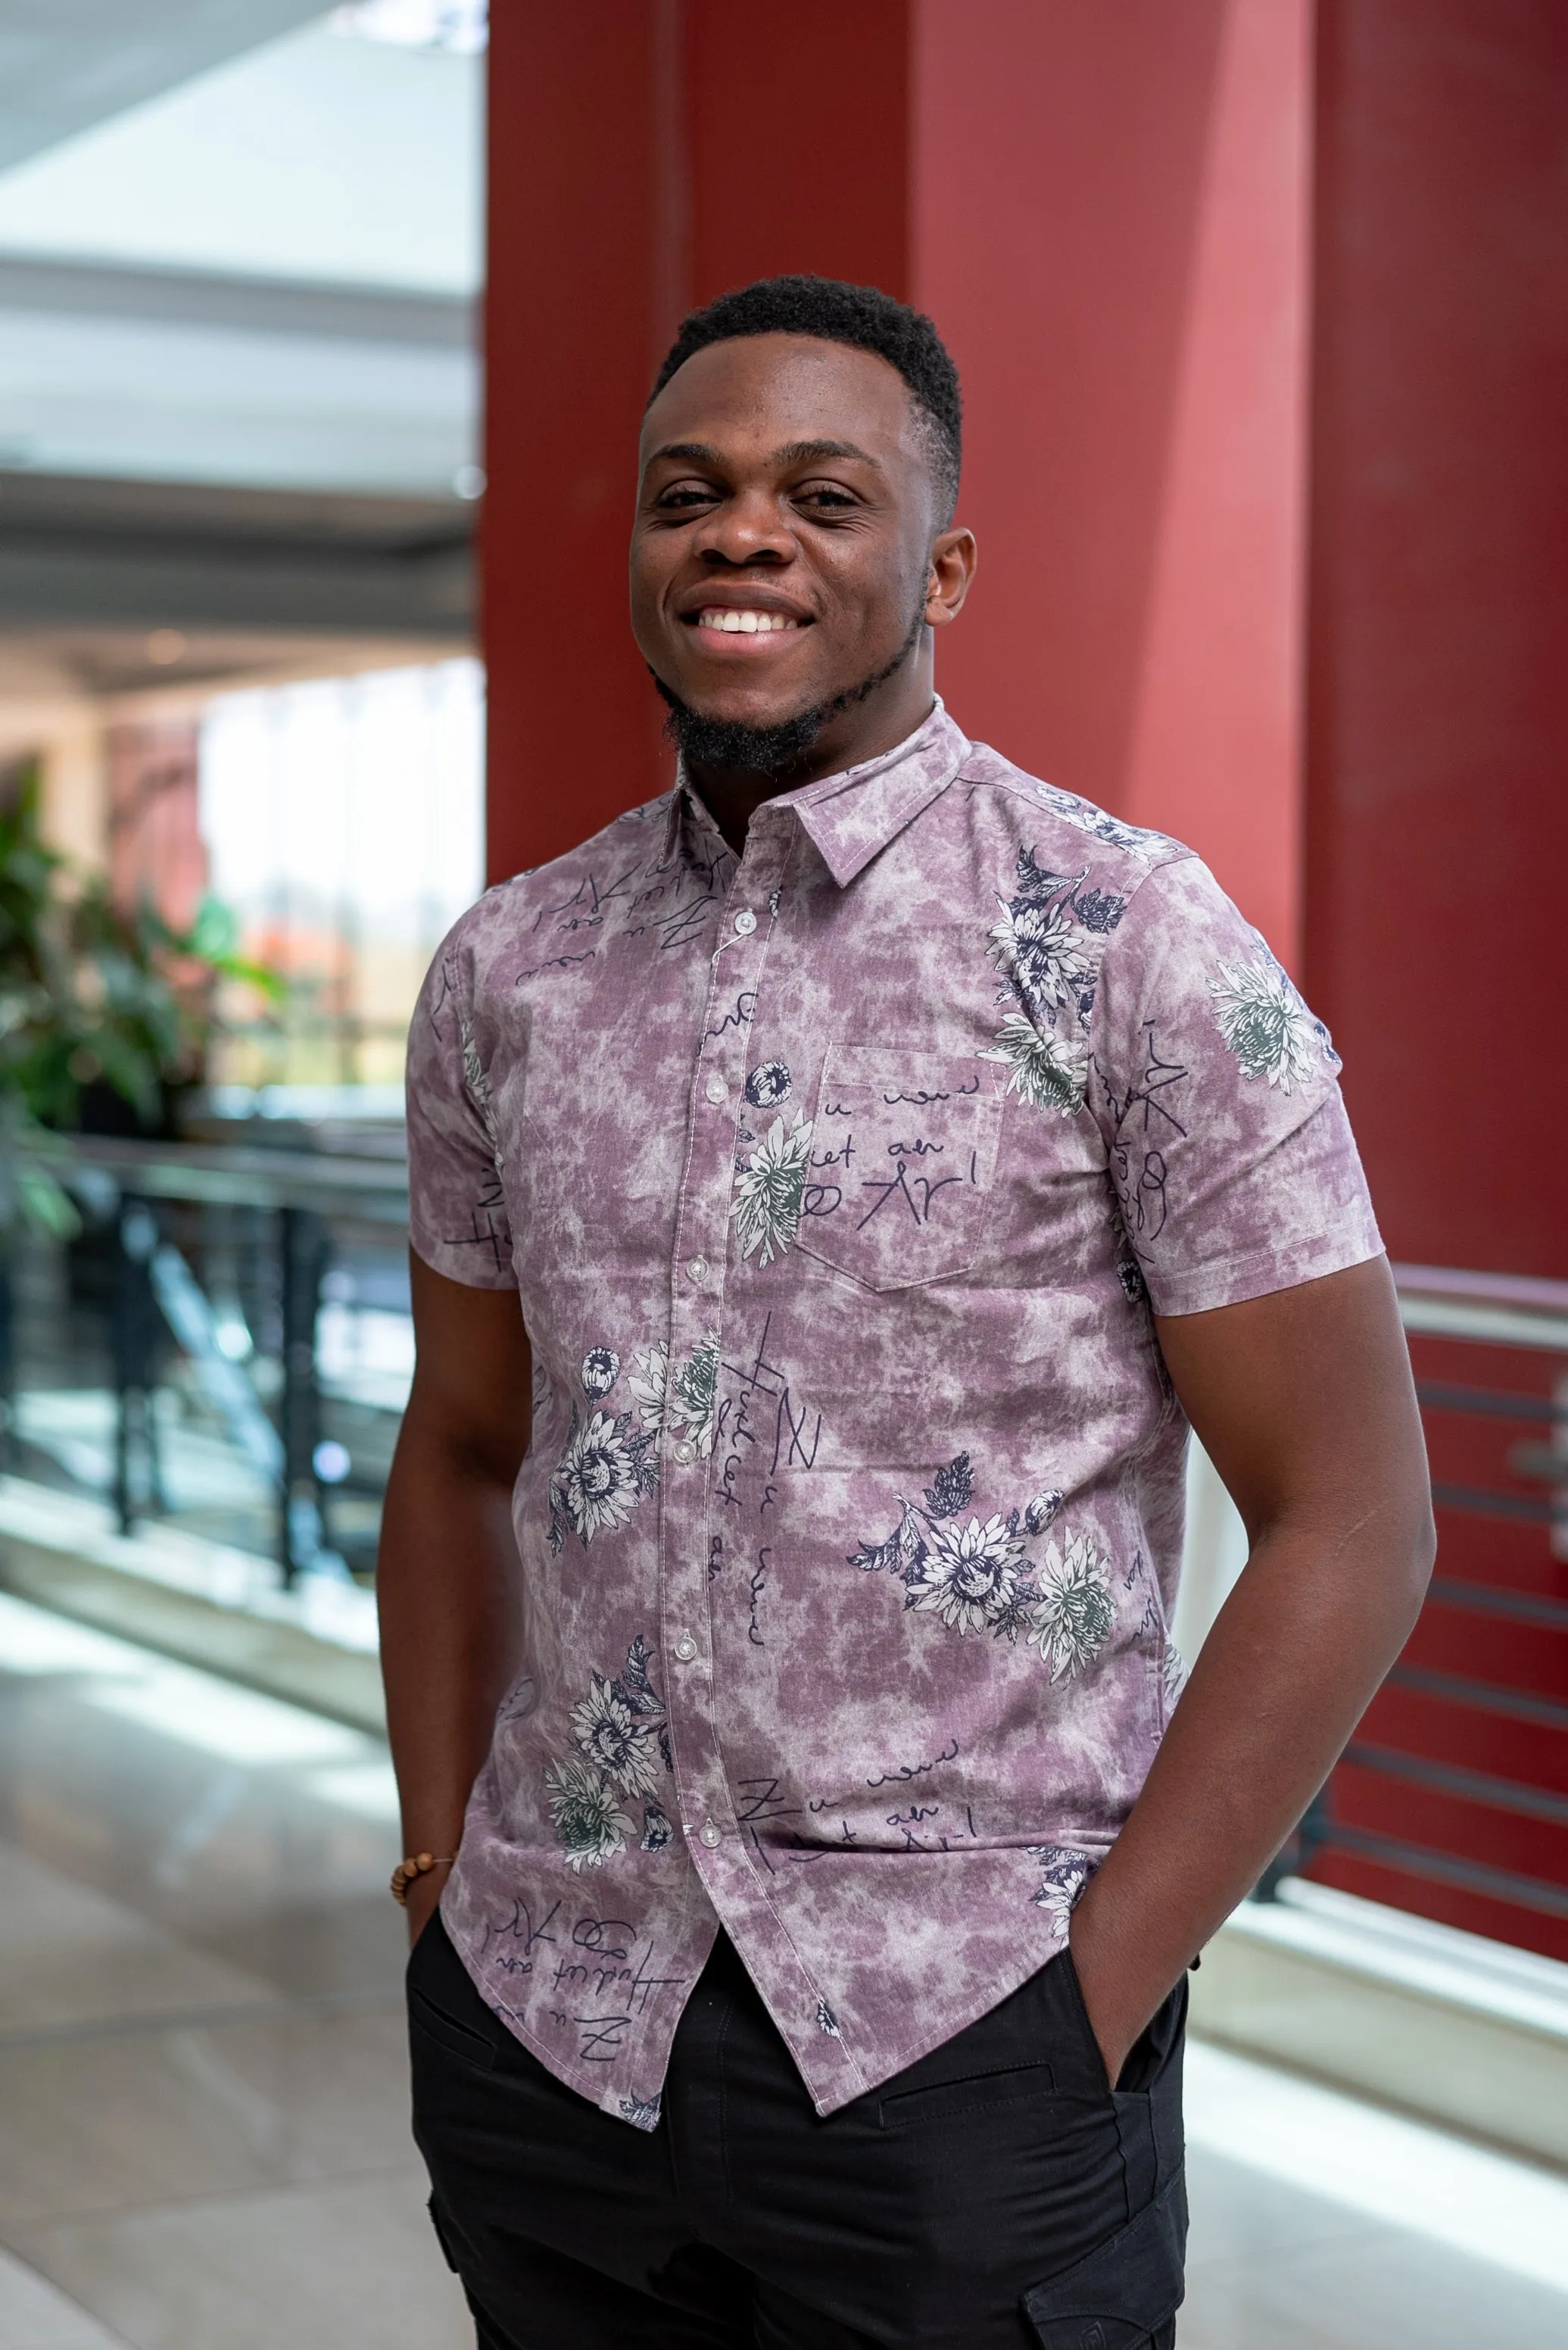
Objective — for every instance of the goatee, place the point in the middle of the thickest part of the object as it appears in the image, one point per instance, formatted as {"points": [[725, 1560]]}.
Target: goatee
{"points": [[725, 743]]}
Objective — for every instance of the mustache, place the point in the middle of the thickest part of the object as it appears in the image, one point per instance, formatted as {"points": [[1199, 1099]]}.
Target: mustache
{"points": [[769, 751]]}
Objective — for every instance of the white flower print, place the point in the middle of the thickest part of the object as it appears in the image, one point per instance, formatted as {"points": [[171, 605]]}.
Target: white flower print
{"points": [[1039, 1512], [642, 2112], [604, 1473], [476, 1079], [1044, 1072], [768, 1086], [589, 1820], [1098, 824], [1037, 946], [1175, 1671], [689, 1399], [623, 1748], [769, 1189], [693, 1397], [1065, 1872], [648, 1379], [1134, 1289], [1074, 1611], [1264, 1021], [657, 1831], [969, 1576], [601, 1369], [827, 2021]]}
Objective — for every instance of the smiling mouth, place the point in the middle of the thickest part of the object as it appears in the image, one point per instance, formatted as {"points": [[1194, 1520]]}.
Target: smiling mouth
{"points": [[722, 619]]}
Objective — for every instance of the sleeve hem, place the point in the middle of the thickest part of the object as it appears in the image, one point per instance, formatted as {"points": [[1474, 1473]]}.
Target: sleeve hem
{"points": [[472, 1263], [1260, 1274]]}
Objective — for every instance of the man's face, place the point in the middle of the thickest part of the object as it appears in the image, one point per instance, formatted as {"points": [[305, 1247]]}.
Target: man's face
{"points": [[782, 549]]}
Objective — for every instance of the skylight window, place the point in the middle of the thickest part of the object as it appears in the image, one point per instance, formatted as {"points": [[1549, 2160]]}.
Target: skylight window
{"points": [[463, 26]]}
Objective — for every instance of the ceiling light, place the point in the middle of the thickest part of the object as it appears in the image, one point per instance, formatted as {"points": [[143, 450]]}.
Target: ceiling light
{"points": [[459, 25]]}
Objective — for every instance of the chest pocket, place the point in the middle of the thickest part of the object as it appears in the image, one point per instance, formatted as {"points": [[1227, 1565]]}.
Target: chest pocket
{"points": [[903, 1154]]}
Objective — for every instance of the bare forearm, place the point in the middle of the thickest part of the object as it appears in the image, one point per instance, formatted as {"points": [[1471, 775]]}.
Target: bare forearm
{"points": [[450, 1629], [1291, 1663]]}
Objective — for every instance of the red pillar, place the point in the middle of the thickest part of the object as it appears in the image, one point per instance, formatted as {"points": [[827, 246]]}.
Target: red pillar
{"points": [[1103, 209], [1438, 737], [645, 155]]}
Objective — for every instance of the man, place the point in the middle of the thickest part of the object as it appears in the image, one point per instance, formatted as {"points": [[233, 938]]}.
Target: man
{"points": [[893, 1155]]}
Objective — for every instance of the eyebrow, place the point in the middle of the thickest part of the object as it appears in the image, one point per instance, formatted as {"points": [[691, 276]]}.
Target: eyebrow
{"points": [[794, 452], [799, 452]]}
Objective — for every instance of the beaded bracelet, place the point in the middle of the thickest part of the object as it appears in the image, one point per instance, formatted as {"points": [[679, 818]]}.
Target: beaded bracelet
{"points": [[418, 1863]]}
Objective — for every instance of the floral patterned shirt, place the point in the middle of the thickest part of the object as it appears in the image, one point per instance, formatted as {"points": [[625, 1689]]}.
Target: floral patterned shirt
{"points": [[840, 1182]]}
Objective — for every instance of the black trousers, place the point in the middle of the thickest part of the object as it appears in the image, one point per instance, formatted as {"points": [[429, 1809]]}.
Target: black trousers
{"points": [[996, 2196]]}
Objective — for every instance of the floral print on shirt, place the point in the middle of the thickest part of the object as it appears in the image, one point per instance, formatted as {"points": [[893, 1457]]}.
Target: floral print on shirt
{"points": [[622, 1754], [1265, 1023], [604, 1471], [976, 1578], [842, 1232], [769, 1191]]}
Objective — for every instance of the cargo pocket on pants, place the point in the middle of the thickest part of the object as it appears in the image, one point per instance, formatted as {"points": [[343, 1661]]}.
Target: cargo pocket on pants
{"points": [[1125, 2294]]}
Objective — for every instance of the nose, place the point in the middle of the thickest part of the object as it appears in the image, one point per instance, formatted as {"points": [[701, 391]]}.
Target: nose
{"points": [[745, 529]]}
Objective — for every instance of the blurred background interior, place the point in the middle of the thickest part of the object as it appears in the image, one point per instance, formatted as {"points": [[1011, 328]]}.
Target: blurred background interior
{"points": [[1261, 311]]}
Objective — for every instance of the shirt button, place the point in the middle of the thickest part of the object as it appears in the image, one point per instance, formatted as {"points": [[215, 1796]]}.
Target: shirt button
{"points": [[697, 1270], [717, 1089], [685, 1451], [745, 921], [686, 1647], [710, 1834]]}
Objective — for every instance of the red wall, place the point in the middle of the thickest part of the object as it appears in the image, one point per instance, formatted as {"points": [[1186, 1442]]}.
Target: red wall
{"points": [[797, 129], [569, 326], [1437, 900], [1111, 232], [645, 155], [1104, 211]]}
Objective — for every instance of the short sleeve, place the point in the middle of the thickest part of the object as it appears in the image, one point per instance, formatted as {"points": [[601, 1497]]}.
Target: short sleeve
{"points": [[457, 1203], [1217, 1094]]}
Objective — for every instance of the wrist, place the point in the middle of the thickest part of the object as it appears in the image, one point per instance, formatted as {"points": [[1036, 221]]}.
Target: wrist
{"points": [[414, 1869], [1094, 1967], [422, 1902]]}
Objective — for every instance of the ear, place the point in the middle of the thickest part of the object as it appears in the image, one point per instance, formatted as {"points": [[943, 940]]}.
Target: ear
{"points": [[952, 562]]}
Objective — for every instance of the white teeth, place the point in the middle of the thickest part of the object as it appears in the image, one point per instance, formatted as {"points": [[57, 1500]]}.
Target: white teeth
{"points": [[731, 623]]}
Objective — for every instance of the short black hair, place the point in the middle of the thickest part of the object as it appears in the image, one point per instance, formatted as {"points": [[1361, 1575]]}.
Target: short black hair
{"points": [[861, 316]]}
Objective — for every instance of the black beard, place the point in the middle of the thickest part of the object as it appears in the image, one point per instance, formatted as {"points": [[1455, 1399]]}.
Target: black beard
{"points": [[720, 743]]}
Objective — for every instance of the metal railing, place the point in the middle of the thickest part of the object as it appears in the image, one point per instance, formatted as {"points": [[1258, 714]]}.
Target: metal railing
{"points": [[1458, 1781], [159, 1219]]}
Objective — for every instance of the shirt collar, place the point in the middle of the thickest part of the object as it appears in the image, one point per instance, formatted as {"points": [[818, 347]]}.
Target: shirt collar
{"points": [[853, 816]]}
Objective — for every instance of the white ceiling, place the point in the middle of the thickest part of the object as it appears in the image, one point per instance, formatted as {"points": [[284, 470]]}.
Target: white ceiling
{"points": [[261, 276], [67, 64], [318, 157]]}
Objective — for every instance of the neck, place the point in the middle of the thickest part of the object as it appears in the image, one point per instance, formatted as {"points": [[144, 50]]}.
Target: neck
{"points": [[731, 796]]}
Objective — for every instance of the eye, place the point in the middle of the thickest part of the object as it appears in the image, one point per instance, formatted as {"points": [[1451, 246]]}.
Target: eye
{"points": [[825, 497], [682, 495]]}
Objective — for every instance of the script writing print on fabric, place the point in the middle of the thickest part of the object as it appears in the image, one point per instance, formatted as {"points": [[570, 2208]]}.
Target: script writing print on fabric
{"points": [[596, 1961], [920, 1099], [911, 1823], [739, 1015], [761, 1394], [1139, 1165], [555, 962]]}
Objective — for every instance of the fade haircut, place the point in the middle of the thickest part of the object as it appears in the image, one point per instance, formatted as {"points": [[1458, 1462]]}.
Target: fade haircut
{"points": [[867, 319]]}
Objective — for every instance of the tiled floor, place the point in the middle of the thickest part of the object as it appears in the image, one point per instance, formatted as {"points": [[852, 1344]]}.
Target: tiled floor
{"points": [[202, 2126]]}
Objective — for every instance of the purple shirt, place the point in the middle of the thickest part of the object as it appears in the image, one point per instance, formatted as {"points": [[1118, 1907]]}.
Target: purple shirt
{"points": [[839, 1181]]}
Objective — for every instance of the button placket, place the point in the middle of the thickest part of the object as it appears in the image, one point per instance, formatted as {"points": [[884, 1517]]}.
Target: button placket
{"points": [[697, 1298]]}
